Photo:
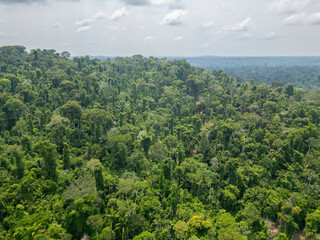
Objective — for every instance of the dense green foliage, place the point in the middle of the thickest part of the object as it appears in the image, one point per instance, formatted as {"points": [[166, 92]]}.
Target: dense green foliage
{"points": [[145, 148]]}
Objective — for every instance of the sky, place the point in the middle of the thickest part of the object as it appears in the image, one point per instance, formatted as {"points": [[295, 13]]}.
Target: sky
{"points": [[164, 27]]}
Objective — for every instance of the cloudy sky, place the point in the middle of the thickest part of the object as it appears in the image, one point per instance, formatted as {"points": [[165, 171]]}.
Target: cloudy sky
{"points": [[164, 27]]}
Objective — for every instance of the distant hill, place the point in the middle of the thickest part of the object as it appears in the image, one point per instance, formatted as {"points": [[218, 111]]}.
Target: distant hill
{"points": [[303, 72], [216, 62]]}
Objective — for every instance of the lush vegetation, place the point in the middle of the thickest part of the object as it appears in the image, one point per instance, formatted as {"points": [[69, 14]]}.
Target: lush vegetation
{"points": [[145, 148]]}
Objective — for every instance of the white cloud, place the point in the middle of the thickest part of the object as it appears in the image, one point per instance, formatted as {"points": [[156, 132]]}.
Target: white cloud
{"points": [[117, 28], [136, 2], [245, 36], [170, 3], [20, 1], [85, 22], [162, 2], [118, 14], [271, 36], [208, 24], [204, 45], [99, 15], [302, 18], [175, 17], [289, 6], [241, 26], [5, 35], [83, 29], [23, 1], [57, 25], [180, 38], [91, 20], [314, 19], [221, 32], [295, 19], [149, 38]]}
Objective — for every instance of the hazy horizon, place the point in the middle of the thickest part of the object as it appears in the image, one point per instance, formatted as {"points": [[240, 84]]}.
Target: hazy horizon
{"points": [[204, 56], [164, 27]]}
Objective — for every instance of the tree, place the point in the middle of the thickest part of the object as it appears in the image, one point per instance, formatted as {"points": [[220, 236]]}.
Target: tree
{"points": [[47, 151], [73, 111], [144, 236], [226, 227], [251, 215], [96, 167], [66, 156], [17, 154], [14, 108], [107, 234], [158, 152], [5, 85], [199, 225], [229, 197], [97, 117], [55, 230], [289, 89], [230, 234], [281, 236], [58, 126], [313, 224], [181, 230], [84, 186], [65, 54], [146, 143], [194, 84], [137, 161], [96, 222]]}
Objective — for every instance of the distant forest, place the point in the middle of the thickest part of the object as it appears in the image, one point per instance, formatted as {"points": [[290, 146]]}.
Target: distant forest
{"points": [[303, 72]]}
